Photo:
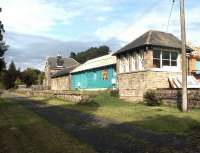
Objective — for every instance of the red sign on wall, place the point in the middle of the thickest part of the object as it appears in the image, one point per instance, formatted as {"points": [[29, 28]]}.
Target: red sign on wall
{"points": [[105, 74]]}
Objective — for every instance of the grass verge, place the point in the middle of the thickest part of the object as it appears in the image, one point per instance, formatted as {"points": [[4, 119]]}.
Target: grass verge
{"points": [[162, 119], [22, 131]]}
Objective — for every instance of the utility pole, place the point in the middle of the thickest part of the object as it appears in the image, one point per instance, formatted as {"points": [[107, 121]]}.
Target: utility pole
{"points": [[184, 60]]}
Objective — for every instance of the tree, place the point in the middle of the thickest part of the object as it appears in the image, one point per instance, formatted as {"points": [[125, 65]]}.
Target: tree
{"points": [[90, 53], [72, 55], [31, 76], [13, 74], [10, 76], [41, 77], [18, 82], [3, 48], [5, 79]]}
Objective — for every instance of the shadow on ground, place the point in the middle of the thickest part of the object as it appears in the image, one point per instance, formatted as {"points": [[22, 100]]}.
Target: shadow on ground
{"points": [[107, 136]]}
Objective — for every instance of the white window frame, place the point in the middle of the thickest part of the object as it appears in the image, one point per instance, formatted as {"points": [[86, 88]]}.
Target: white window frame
{"points": [[130, 62], [168, 68], [134, 61], [126, 63], [122, 68], [141, 60]]}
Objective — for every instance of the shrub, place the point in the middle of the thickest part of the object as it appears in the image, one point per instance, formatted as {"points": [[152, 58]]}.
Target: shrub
{"points": [[114, 93], [151, 99]]}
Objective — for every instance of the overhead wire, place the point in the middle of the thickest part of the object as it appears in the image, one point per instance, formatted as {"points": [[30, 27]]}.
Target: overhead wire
{"points": [[170, 15]]}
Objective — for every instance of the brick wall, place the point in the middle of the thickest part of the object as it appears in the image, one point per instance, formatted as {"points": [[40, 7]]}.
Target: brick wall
{"points": [[132, 86]]}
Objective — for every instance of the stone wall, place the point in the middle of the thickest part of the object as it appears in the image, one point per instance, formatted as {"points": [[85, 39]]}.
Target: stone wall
{"points": [[73, 96], [148, 59], [60, 83], [48, 72], [173, 96], [38, 87], [132, 86]]}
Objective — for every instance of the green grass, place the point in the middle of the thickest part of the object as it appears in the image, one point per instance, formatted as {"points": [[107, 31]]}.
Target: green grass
{"points": [[22, 131], [162, 119]]}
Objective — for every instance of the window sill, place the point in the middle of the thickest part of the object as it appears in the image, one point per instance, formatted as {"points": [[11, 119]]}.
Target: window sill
{"points": [[165, 70], [153, 69]]}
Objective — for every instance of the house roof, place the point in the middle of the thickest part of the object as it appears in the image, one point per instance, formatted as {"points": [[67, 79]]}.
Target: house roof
{"points": [[63, 72], [52, 62], [96, 63], [153, 38]]}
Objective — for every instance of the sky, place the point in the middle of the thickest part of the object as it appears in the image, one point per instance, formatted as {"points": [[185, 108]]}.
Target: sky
{"points": [[37, 29]]}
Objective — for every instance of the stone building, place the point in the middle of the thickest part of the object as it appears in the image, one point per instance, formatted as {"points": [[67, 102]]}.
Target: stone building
{"points": [[147, 63], [55, 64], [61, 79]]}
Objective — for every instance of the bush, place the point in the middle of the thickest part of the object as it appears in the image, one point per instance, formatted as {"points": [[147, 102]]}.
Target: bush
{"points": [[114, 93], [151, 99]]}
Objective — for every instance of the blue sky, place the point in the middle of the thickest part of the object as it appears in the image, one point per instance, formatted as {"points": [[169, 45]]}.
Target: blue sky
{"points": [[36, 29]]}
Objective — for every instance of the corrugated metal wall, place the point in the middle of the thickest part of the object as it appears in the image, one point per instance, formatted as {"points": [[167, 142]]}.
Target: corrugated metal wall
{"points": [[94, 79]]}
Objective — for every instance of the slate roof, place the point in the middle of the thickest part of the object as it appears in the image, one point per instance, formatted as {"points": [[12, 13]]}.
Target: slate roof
{"points": [[63, 72], [153, 38], [66, 62], [96, 63]]}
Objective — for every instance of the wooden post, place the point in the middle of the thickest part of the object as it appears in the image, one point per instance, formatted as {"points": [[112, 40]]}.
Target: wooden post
{"points": [[184, 60]]}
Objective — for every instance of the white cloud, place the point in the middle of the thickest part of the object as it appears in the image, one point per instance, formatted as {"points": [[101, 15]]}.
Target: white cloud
{"points": [[31, 50], [33, 16], [127, 31], [101, 18]]}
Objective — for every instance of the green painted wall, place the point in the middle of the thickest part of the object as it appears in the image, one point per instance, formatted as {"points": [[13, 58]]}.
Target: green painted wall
{"points": [[93, 79]]}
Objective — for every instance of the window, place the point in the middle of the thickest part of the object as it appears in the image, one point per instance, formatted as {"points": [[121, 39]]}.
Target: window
{"points": [[134, 62], [126, 63], [141, 60], [164, 59], [122, 65], [130, 62], [156, 59], [174, 57]]}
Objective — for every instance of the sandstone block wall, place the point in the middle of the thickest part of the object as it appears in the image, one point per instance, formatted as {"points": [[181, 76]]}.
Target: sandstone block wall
{"points": [[73, 96], [148, 59], [60, 83], [132, 86], [173, 96]]}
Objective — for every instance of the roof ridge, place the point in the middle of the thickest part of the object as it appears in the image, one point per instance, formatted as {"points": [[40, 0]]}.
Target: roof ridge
{"points": [[73, 59], [99, 58], [149, 37]]}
